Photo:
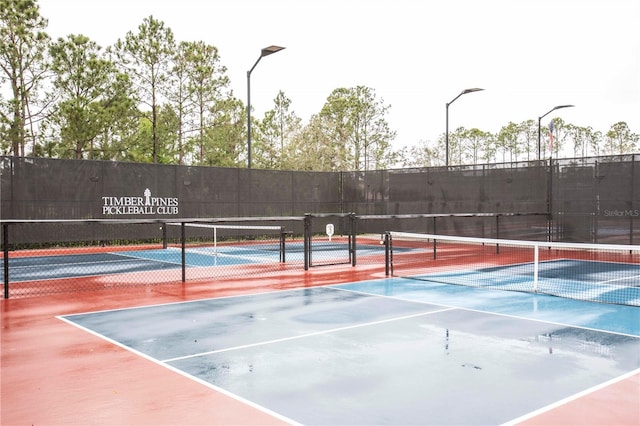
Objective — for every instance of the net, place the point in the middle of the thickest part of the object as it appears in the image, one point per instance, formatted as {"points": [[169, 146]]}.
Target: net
{"points": [[594, 272], [237, 243]]}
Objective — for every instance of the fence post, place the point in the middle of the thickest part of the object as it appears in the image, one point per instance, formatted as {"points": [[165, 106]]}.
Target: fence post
{"points": [[184, 256], [352, 238], [387, 253], [282, 245], [631, 192], [550, 202], [163, 226], [5, 249], [435, 249], [497, 233]]}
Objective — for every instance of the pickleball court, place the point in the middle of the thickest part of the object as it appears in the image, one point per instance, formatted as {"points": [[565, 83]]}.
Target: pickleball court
{"points": [[334, 345]]}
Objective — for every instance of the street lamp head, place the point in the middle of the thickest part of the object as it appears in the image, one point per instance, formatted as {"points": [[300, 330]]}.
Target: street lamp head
{"points": [[269, 50], [464, 92], [562, 106], [553, 109], [475, 89]]}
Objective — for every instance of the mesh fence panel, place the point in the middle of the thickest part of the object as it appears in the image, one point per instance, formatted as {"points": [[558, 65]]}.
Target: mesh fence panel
{"points": [[207, 191], [586, 200], [318, 192], [596, 199], [102, 255], [466, 189], [365, 192]]}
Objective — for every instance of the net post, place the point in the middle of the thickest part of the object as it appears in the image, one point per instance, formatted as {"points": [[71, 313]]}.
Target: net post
{"points": [[387, 253], [352, 238], [307, 241], [163, 226], [183, 248], [282, 244], [497, 233], [536, 264], [215, 240], [435, 248], [5, 250]]}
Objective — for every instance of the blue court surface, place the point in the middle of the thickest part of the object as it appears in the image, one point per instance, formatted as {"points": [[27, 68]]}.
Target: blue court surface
{"points": [[389, 351]]}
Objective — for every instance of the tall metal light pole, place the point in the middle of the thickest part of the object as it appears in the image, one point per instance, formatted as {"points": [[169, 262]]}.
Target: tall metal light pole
{"points": [[542, 116], [446, 136], [264, 52]]}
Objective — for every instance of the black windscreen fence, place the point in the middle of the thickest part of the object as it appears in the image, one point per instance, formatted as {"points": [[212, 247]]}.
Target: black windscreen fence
{"points": [[575, 200]]}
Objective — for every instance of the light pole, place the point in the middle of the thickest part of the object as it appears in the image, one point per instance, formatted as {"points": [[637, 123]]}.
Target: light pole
{"points": [[446, 135], [542, 116], [264, 52]]}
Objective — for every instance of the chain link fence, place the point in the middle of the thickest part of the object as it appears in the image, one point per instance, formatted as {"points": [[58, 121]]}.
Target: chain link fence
{"points": [[69, 207]]}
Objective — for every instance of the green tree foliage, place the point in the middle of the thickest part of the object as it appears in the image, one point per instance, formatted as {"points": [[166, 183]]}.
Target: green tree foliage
{"points": [[456, 138], [149, 98], [142, 140], [594, 142], [267, 142], [518, 142], [92, 95], [22, 48], [620, 140], [507, 141], [476, 142], [311, 148], [225, 134], [553, 137], [274, 134], [580, 139], [529, 139], [146, 57], [420, 155], [178, 94], [208, 90], [168, 130], [359, 132]]}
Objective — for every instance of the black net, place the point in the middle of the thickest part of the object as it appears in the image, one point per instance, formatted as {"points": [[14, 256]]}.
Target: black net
{"points": [[605, 273]]}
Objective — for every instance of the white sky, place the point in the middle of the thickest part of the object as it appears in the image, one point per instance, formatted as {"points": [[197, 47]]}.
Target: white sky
{"points": [[528, 55]]}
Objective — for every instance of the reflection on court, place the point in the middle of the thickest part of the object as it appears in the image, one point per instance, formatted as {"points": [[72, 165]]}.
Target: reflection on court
{"points": [[350, 354]]}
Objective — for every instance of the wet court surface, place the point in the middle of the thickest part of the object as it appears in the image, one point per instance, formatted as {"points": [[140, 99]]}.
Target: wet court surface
{"points": [[331, 355]]}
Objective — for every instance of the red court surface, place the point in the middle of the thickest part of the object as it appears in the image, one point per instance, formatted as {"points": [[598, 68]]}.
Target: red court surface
{"points": [[56, 374]]}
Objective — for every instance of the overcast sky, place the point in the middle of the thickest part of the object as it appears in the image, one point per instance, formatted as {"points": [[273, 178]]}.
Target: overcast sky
{"points": [[528, 55]]}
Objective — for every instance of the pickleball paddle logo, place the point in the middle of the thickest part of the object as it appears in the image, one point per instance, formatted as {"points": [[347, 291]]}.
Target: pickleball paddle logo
{"points": [[147, 204]]}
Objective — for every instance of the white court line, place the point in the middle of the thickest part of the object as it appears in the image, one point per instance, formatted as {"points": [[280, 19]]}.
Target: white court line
{"points": [[182, 373], [93, 263], [633, 277], [484, 311], [571, 398], [316, 333]]}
